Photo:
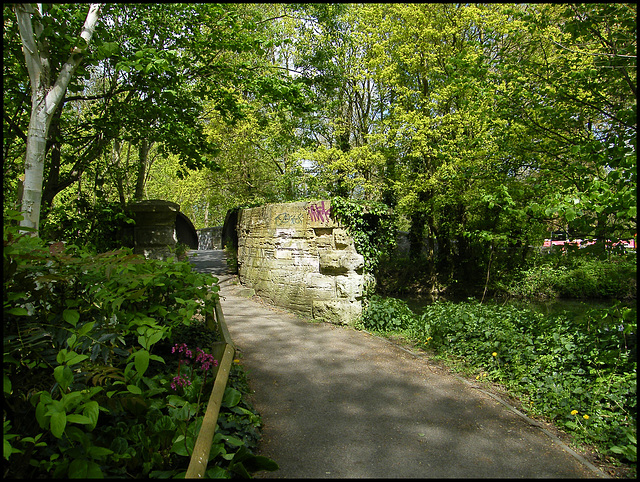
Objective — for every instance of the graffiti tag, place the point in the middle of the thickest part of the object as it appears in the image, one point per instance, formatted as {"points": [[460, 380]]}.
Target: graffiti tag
{"points": [[286, 218], [319, 212]]}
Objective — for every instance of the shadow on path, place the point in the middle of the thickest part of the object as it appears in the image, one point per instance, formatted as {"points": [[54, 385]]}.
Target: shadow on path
{"points": [[209, 261], [337, 402]]}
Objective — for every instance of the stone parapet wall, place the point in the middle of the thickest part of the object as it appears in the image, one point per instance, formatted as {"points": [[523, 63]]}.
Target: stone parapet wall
{"points": [[159, 227], [210, 238], [296, 256], [155, 228]]}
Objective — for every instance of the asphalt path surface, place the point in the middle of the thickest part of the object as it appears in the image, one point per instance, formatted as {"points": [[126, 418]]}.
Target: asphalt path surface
{"points": [[341, 403]]}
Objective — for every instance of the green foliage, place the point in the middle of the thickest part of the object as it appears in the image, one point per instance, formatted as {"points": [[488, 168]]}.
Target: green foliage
{"points": [[231, 257], [354, 173], [575, 276], [98, 227], [141, 84], [599, 194], [372, 226], [462, 99], [92, 365], [386, 314], [579, 373]]}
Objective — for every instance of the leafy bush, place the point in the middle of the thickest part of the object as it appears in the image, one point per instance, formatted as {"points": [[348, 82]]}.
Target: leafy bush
{"points": [[99, 226], [400, 276], [94, 377], [577, 277], [581, 374], [386, 314], [372, 226], [231, 258]]}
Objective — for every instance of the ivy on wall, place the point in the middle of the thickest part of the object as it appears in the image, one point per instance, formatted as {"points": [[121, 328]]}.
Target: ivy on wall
{"points": [[371, 225]]}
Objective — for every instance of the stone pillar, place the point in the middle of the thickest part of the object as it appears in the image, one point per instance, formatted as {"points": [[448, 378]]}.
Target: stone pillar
{"points": [[155, 228], [298, 257]]}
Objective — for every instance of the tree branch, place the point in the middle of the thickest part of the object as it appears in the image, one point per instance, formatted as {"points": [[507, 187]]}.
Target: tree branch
{"points": [[106, 95], [15, 127], [56, 93], [30, 48], [274, 18], [593, 54]]}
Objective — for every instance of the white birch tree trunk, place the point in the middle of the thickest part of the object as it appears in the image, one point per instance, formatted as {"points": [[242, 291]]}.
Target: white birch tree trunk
{"points": [[45, 98]]}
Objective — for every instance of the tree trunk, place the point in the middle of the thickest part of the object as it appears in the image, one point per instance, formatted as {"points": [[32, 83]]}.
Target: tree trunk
{"points": [[34, 166], [416, 234], [45, 99], [50, 188], [119, 174], [142, 169]]}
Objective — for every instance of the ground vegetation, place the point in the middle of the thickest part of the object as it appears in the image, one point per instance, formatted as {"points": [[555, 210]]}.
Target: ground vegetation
{"points": [[577, 372], [107, 367]]}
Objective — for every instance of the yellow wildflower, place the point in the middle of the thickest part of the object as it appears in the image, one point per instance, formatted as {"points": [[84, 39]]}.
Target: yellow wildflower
{"points": [[586, 417], [573, 412], [494, 354]]}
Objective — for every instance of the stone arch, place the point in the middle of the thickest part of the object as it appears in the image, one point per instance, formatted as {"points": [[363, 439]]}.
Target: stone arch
{"points": [[229, 235], [185, 231]]}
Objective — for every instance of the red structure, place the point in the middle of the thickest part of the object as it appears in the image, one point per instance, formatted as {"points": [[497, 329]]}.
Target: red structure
{"points": [[630, 244]]}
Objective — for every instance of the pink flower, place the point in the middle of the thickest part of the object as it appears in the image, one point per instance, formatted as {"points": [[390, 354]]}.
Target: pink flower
{"points": [[181, 348], [179, 381], [205, 360]]}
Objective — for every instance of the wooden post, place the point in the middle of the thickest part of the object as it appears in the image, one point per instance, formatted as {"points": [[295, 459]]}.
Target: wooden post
{"points": [[223, 352], [200, 457]]}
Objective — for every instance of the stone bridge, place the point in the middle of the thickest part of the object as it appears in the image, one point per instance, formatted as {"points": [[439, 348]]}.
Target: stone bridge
{"points": [[159, 227], [297, 256], [294, 255]]}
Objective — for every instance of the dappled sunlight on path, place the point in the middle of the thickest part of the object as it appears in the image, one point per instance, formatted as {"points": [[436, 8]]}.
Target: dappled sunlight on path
{"points": [[337, 402]]}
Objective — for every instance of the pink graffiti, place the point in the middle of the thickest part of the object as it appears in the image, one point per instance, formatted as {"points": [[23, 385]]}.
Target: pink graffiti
{"points": [[319, 212]]}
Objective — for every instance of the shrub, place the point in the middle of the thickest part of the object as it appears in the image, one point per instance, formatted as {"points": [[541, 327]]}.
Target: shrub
{"points": [[577, 277], [371, 225], [386, 314], [231, 258], [90, 385], [97, 227]]}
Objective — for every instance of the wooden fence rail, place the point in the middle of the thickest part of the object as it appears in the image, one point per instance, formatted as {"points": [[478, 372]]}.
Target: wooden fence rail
{"points": [[224, 352]]}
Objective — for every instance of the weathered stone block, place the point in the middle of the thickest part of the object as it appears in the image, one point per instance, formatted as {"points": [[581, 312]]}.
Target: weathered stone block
{"points": [[340, 261], [337, 311], [319, 286], [307, 262], [285, 276], [155, 236], [286, 252], [284, 233], [342, 238], [319, 214], [349, 287], [324, 241], [330, 262], [283, 254]]}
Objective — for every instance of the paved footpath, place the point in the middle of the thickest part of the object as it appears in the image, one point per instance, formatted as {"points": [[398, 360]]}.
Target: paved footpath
{"points": [[340, 403]]}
